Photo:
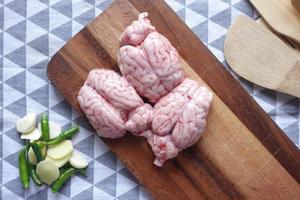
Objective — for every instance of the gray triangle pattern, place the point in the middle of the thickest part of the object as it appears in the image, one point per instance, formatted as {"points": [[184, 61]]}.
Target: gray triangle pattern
{"points": [[293, 129], [40, 195], [245, 7], [18, 56], [41, 44], [18, 7], [125, 172], [64, 7], [108, 185], [64, 109], [223, 18], [41, 19], [64, 31], [41, 95], [16, 187], [13, 159], [201, 30], [18, 107], [14, 135], [86, 17], [2, 16], [40, 70], [104, 4], [200, 7], [18, 82], [23, 63], [108, 159], [18, 31], [85, 195], [81, 121], [89, 173], [86, 146], [132, 194]]}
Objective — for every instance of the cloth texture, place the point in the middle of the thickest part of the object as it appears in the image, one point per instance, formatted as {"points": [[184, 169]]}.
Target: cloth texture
{"points": [[31, 31]]}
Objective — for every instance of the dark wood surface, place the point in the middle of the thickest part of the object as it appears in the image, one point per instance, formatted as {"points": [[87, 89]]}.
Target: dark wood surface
{"points": [[243, 153]]}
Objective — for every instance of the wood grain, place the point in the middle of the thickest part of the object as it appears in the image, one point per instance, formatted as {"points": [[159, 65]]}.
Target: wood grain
{"points": [[294, 46], [259, 56], [296, 4], [242, 154], [281, 16]]}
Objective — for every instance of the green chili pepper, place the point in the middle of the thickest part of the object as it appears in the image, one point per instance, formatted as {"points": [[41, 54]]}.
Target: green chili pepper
{"points": [[40, 143], [62, 179], [37, 151], [23, 168], [33, 175], [45, 127], [64, 135]]}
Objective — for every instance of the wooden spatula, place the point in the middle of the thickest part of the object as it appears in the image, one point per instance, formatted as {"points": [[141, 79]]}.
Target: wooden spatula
{"points": [[296, 4], [281, 16], [295, 47], [261, 57]]}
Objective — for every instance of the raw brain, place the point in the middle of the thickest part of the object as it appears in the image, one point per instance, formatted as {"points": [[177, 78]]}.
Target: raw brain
{"points": [[148, 60], [106, 98], [151, 65], [179, 119]]}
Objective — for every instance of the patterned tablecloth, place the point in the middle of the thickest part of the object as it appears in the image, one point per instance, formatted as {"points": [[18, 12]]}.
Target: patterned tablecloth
{"points": [[31, 31]]}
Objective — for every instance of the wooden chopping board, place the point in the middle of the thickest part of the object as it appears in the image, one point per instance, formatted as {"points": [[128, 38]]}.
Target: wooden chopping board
{"points": [[243, 154]]}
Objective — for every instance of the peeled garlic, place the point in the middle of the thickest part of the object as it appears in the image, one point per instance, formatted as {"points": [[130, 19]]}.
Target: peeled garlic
{"points": [[60, 150], [47, 171], [31, 155], [33, 135], [26, 124], [60, 162], [78, 161]]}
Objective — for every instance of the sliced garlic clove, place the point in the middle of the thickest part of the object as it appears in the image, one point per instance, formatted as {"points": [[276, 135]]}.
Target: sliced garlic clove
{"points": [[26, 124], [60, 150]]}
